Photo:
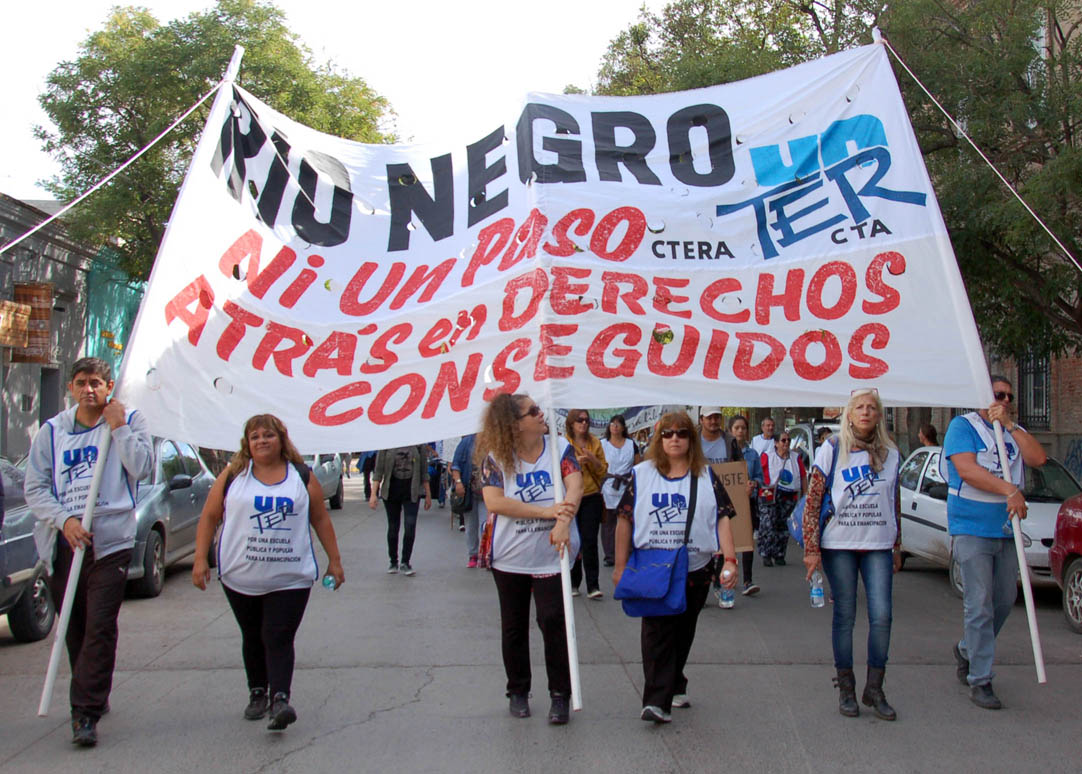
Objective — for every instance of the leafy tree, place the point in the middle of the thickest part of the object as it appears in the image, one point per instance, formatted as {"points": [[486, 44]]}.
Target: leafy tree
{"points": [[134, 76], [1009, 70]]}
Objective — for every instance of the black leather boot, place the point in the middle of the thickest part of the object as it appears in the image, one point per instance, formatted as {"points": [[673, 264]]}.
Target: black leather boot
{"points": [[873, 695], [846, 683]]}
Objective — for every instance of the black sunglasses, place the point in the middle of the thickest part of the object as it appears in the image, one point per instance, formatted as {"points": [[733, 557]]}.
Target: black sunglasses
{"points": [[1007, 396], [532, 411], [580, 420], [669, 432]]}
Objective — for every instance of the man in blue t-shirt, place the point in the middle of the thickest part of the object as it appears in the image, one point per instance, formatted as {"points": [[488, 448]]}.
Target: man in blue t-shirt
{"points": [[979, 505]]}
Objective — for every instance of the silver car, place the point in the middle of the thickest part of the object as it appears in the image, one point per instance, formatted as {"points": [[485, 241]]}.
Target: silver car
{"points": [[328, 471], [167, 508]]}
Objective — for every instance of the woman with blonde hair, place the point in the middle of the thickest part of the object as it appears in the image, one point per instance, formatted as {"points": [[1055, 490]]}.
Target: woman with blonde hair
{"points": [[863, 537], [525, 533], [268, 500], [657, 512]]}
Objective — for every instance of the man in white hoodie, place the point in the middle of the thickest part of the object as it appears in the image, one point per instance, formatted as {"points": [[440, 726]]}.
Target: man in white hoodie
{"points": [[60, 468]]}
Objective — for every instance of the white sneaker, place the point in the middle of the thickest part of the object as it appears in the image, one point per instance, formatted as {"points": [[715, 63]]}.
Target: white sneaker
{"points": [[681, 701], [654, 714]]}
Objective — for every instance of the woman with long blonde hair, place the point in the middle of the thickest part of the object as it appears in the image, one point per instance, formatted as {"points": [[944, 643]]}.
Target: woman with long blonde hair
{"points": [[526, 531], [862, 538]]}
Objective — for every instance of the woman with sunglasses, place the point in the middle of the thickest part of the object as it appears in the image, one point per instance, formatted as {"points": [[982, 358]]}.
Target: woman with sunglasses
{"points": [[622, 454], [863, 537], [783, 483], [654, 514], [591, 459], [526, 530]]}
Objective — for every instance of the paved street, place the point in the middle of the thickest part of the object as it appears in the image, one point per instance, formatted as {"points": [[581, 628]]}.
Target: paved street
{"points": [[399, 674]]}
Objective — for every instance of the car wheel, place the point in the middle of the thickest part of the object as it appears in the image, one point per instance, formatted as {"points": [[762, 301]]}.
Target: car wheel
{"points": [[956, 577], [32, 617], [150, 585], [336, 498], [1072, 595]]}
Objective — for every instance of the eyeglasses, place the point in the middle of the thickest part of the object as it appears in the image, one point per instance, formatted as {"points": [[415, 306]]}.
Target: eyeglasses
{"points": [[532, 411], [669, 432], [1007, 396], [871, 390]]}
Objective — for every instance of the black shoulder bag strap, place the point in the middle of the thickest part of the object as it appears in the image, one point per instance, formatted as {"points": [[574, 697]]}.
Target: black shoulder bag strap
{"points": [[691, 507]]}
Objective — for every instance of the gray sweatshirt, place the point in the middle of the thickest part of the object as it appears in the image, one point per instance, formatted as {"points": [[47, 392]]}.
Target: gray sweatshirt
{"points": [[59, 471]]}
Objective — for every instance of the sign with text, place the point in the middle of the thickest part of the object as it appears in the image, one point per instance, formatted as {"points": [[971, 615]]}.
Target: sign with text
{"points": [[734, 477], [768, 242]]}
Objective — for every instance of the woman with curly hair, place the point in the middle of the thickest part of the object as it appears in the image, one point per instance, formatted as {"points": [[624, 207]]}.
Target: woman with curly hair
{"points": [[863, 538], [655, 512], [266, 493], [526, 530]]}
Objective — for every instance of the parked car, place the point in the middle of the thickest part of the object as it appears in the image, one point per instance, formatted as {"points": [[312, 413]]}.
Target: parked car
{"points": [[1066, 558], [328, 471], [24, 589], [804, 441], [167, 508], [924, 513]]}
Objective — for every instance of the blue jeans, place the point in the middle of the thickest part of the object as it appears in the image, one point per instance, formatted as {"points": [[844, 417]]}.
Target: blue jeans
{"points": [[877, 570], [989, 577]]}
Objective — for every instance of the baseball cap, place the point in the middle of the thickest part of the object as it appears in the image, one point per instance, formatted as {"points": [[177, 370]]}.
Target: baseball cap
{"points": [[706, 411]]}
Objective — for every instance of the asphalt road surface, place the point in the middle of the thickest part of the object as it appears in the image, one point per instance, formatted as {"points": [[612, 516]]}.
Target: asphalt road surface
{"points": [[398, 674]]}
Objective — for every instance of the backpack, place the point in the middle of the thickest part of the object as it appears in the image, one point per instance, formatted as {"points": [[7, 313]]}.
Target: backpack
{"points": [[826, 507], [303, 471]]}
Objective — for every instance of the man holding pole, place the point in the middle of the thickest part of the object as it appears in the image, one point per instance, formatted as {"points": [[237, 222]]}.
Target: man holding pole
{"points": [[980, 504], [61, 466]]}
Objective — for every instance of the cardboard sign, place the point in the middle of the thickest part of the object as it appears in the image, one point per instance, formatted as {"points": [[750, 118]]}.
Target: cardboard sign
{"points": [[734, 477]]}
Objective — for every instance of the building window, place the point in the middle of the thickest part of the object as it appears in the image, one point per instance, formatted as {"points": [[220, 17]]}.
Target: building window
{"points": [[1033, 392]]}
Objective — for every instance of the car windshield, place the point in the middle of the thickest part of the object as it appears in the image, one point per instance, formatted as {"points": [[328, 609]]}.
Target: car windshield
{"points": [[1051, 483]]}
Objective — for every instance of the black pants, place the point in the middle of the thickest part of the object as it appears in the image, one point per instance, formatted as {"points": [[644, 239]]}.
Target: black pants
{"points": [[608, 534], [268, 625], [395, 507], [92, 629], [666, 643], [588, 519], [514, 591]]}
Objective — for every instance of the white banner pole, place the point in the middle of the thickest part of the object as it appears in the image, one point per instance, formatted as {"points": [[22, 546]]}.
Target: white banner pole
{"points": [[1027, 589], [565, 575], [92, 496]]}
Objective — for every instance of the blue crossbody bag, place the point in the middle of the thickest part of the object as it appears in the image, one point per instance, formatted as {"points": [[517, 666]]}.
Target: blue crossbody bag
{"points": [[826, 507], [655, 580]]}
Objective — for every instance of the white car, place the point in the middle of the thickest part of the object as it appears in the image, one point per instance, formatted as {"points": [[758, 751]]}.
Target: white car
{"points": [[924, 513]]}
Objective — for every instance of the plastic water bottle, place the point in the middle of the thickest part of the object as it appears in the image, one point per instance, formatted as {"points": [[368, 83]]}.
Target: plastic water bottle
{"points": [[817, 597], [726, 597], [328, 582]]}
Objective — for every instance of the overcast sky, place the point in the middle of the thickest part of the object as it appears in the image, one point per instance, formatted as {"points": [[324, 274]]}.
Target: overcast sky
{"points": [[450, 70]]}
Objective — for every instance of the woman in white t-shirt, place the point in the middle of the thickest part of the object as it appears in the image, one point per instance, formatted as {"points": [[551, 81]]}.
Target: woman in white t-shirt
{"points": [[863, 537], [654, 513], [783, 483], [622, 454], [526, 530], [265, 559]]}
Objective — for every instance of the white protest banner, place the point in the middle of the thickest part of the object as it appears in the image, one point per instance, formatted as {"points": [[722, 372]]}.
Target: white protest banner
{"points": [[769, 242]]}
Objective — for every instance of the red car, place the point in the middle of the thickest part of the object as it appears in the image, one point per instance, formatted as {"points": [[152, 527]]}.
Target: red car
{"points": [[1066, 559]]}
